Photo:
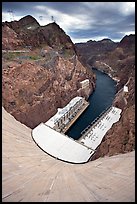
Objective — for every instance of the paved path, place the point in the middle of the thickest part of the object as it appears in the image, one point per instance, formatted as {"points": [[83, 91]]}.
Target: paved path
{"points": [[29, 174], [19, 51]]}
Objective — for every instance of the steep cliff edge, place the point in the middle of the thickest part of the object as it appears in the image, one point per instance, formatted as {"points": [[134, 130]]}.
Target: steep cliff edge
{"points": [[119, 63], [37, 82]]}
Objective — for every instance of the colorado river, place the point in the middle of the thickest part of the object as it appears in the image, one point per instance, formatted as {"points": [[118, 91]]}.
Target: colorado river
{"points": [[99, 100]]}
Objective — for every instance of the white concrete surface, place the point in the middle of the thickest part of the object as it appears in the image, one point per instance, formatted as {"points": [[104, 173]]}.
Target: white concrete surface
{"points": [[93, 137], [59, 145], [65, 148], [30, 175], [62, 111], [85, 83], [125, 89]]}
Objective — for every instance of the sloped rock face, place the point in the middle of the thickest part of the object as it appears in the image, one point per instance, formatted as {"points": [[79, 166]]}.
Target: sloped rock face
{"points": [[10, 39], [24, 24], [89, 51], [32, 93], [17, 31], [128, 44], [120, 64], [32, 90]]}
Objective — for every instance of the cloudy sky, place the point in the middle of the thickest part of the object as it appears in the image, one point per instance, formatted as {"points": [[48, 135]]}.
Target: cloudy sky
{"points": [[82, 21]]}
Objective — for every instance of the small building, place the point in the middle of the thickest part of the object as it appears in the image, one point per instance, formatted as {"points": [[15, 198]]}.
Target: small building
{"points": [[125, 89], [84, 84]]}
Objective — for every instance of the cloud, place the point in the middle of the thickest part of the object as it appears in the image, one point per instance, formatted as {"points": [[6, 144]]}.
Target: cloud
{"points": [[127, 8], [9, 16], [5, 16], [80, 20], [81, 40]]}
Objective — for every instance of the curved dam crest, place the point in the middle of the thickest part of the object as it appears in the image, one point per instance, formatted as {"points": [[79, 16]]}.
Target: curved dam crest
{"points": [[30, 175], [99, 101]]}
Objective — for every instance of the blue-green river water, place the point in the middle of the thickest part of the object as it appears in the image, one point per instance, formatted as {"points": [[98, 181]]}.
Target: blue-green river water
{"points": [[99, 100]]}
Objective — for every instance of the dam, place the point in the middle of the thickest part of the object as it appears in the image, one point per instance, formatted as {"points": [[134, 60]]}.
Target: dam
{"points": [[30, 175], [51, 139], [75, 131]]}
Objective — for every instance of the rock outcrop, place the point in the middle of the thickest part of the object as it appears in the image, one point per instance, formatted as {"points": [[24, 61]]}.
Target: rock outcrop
{"points": [[37, 82], [10, 39]]}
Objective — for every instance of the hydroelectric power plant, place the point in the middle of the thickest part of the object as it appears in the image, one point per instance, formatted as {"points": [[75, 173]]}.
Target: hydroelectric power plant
{"points": [[54, 136], [50, 136], [57, 146]]}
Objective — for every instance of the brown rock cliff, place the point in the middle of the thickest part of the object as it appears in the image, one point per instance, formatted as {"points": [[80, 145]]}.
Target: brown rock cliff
{"points": [[119, 63], [36, 83]]}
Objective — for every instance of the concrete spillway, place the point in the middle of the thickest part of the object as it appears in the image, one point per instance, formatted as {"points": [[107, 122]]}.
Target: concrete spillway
{"points": [[29, 174], [59, 145]]}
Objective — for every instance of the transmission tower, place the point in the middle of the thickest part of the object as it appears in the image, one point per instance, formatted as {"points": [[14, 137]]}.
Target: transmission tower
{"points": [[11, 15], [40, 18], [52, 19]]}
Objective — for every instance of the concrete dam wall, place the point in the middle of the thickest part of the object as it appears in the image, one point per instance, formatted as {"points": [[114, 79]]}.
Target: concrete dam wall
{"points": [[29, 174]]}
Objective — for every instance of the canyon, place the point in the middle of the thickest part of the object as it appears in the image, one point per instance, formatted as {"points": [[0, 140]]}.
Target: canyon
{"points": [[46, 75], [118, 61]]}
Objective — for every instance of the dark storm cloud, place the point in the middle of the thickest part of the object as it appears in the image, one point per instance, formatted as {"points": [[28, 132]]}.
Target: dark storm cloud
{"points": [[22, 7], [65, 7], [16, 6], [81, 20]]}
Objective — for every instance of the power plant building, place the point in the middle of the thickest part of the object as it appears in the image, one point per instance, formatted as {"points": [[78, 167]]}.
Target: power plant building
{"points": [[66, 114], [125, 89], [85, 84]]}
